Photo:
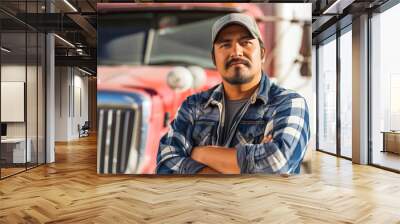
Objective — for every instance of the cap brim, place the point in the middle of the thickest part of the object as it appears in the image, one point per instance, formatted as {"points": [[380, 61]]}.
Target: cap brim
{"points": [[224, 25]]}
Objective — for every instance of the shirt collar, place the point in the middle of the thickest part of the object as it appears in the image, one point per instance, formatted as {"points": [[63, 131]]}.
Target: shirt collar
{"points": [[261, 93]]}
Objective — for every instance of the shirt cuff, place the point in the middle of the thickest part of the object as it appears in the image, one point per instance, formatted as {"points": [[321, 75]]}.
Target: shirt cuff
{"points": [[190, 166], [241, 154]]}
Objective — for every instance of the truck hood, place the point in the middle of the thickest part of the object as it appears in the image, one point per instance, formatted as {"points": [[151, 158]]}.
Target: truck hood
{"points": [[151, 79], [143, 77]]}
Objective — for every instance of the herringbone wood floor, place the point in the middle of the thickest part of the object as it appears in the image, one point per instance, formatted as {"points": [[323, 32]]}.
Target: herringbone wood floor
{"points": [[70, 191]]}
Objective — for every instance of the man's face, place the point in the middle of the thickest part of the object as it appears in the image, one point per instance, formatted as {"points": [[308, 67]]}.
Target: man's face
{"points": [[238, 55]]}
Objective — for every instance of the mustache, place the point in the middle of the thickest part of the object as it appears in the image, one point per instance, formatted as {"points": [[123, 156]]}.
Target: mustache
{"points": [[237, 60]]}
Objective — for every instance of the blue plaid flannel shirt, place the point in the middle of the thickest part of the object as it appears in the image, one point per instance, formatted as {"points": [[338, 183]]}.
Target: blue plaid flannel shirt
{"points": [[271, 110]]}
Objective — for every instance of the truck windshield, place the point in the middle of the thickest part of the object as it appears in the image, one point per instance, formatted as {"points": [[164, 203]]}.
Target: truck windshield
{"points": [[178, 38]]}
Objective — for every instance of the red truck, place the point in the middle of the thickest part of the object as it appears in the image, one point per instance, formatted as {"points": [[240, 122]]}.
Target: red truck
{"points": [[151, 56]]}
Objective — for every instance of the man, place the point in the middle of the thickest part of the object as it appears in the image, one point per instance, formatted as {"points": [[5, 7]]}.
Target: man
{"points": [[244, 125]]}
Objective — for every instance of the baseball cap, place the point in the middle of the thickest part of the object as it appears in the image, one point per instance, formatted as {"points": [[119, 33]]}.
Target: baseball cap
{"points": [[236, 18]]}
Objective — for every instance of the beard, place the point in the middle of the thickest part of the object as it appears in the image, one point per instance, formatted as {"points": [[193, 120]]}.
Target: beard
{"points": [[239, 77]]}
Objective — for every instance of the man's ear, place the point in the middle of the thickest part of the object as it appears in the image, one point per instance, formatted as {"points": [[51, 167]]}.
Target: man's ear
{"points": [[262, 55], [213, 57]]}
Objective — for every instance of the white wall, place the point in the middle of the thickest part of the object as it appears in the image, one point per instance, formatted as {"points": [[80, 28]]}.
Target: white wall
{"points": [[12, 73], [62, 82], [33, 127], [71, 94], [81, 102]]}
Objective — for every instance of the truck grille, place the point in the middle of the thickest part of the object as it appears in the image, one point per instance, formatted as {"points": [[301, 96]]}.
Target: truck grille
{"points": [[118, 140]]}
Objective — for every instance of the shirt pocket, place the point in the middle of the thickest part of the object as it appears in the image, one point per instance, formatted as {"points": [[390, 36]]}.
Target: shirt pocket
{"points": [[203, 132], [250, 131]]}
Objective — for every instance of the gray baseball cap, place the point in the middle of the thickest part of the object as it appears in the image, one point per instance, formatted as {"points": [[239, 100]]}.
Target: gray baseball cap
{"points": [[236, 18]]}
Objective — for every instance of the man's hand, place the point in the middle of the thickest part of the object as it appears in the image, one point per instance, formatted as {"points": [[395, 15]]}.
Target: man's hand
{"points": [[197, 153], [219, 159], [267, 139]]}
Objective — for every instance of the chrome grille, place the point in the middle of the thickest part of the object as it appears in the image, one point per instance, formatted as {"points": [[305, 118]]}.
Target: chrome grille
{"points": [[118, 140]]}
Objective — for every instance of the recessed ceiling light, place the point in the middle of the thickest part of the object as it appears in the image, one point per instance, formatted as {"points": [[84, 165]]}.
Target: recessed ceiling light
{"points": [[86, 72], [5, 50], [70, 5], [337, 7], [64, 40]]}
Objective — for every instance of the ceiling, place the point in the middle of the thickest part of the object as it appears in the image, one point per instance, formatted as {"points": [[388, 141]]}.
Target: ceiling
{"points": [[76, 21]]}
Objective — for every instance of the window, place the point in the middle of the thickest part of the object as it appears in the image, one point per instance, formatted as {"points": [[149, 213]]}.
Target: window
{"points": [[385, 89], [346, 93], [157, 39], [327, 96], [14, 153], [22, 75]]}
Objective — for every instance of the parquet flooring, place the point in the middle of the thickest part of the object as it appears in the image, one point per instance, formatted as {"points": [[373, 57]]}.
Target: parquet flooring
{"points": [[9, 171], [388, 159], [70, 191]]}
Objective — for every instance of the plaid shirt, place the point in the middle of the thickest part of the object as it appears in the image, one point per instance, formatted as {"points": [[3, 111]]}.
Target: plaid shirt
{"points": [[271, 110]]}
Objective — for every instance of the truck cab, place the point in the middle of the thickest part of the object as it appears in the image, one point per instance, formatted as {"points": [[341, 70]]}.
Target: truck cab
{"points": [[151, 56]]}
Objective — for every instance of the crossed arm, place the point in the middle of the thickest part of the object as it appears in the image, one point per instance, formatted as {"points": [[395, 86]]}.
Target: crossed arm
{"points": [[280, 154], [219, 159]]}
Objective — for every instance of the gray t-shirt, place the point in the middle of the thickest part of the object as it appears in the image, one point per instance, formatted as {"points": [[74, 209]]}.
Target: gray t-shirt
{"points": [[232, 110]]}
